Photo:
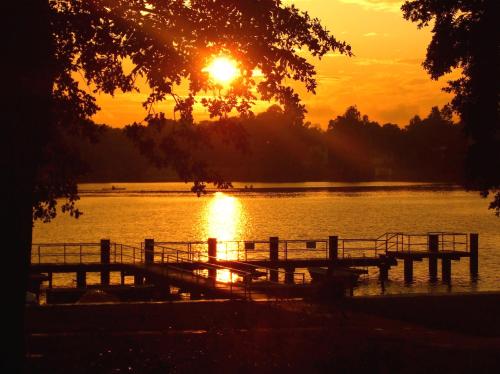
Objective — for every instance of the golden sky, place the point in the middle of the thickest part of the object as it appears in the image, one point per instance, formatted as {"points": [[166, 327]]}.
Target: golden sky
{"points": [[384, 79]]}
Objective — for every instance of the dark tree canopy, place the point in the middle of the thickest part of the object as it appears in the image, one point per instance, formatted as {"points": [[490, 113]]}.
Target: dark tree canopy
{"points": [[466, 35], [276, 149], [113, 43]]}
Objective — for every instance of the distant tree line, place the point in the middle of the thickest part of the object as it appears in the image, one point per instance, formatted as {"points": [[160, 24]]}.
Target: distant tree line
{"points": [[271, 147]]}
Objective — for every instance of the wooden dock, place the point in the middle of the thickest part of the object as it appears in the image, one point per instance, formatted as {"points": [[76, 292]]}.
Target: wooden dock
{"points": [[252, 269]]}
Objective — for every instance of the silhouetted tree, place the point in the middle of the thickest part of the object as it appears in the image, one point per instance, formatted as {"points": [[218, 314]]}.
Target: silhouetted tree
{"points": [[358, 146], [275, 148], [434, 146], [466, 36], [426, 149], [48, 43]]}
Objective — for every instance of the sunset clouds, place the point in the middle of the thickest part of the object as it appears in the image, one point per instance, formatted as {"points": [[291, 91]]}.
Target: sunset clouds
{"points": [[380, 5]]}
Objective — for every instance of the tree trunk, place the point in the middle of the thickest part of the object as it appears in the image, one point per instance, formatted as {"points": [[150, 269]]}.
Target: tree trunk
{"points": [[26, 97]]}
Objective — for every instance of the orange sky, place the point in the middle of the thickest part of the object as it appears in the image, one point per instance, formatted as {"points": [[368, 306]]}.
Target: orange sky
{"points": [[384, 79]]}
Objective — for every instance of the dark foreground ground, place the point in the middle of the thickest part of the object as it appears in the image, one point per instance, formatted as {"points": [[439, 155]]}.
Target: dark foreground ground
{"points": [[293, 336]]}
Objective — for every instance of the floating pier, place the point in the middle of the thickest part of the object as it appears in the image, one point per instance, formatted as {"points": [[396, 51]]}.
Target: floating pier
{"points": [[253, 269]]}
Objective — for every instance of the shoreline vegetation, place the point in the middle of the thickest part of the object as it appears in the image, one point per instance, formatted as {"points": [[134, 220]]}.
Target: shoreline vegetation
{"points": [[376, 334], [268, 147], [138, 188]]}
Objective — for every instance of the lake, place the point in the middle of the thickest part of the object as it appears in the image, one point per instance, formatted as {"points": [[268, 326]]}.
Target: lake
{"points": [[130, 212]]}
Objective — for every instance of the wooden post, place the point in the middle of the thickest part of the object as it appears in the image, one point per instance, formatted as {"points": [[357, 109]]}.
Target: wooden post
{"points": [[383, 269], [50, 279], [122, 277], [474, 255], [333, 247], [138, 279], [273, 248], [289, 275], [149, 256], [273, 256], [212, 257], [446, 269], [149, 251], [333, 251], [433, 246], [408, 266], [105, 257], [212, 250], [81, 279]]}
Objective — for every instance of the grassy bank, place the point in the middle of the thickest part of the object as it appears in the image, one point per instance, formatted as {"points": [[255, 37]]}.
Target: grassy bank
{"points": [[230, 336], [470, 313]]}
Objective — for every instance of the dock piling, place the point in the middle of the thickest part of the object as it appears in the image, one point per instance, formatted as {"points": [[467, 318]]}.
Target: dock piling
{"points": [[149, 251], [446, 269], [274, 256], [474, 255], [212, 256], [433, 246], [149, 256], [138, 279], [333, 247], [81, 279], [383, 268], [289, 275], [408, 269], [105, 259]]}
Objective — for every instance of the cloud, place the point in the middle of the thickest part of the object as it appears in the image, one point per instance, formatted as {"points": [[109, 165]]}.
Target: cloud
{"points": [[374, 61], [379, 5], [411, 61], [370, 34]]}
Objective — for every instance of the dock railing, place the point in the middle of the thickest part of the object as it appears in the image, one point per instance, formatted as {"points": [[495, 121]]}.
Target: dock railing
{"points": [[169, 253], [64, 253], [303, 249], [239, 250], [356, 248], [126, 254], [174, 258], [453, 241], [420, 242], [244, 251]]}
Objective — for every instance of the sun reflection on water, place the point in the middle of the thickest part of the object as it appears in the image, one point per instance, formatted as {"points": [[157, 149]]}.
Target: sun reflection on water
{"points": [[224, 217]]}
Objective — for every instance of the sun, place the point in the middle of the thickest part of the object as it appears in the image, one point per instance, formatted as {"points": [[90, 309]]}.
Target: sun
{"points": [[222, 70]]}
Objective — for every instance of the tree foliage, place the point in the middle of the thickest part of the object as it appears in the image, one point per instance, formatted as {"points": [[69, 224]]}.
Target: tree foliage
{"points": [[275, 149], [466, 36], [114, 43]]}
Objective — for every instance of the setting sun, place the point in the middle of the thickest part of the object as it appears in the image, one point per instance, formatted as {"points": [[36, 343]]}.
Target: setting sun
{"points": [[222, 70]]}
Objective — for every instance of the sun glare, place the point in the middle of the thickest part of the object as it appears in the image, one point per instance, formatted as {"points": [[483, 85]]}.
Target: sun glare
{"points": [[222, 70]]}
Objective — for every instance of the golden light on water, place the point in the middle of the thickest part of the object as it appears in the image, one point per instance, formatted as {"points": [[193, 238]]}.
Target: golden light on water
{"points": [[224, 275], [223, 70], [223, 218]]}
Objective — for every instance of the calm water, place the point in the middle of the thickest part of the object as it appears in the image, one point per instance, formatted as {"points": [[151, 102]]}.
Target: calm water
{"points": [[167, 212]]}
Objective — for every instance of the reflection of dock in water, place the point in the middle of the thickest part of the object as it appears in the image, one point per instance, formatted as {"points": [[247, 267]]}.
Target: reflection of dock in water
{"points": [[272, 268]]}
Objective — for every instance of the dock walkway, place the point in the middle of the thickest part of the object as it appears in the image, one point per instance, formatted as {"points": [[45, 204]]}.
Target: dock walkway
{"points": [[253, 269]]}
